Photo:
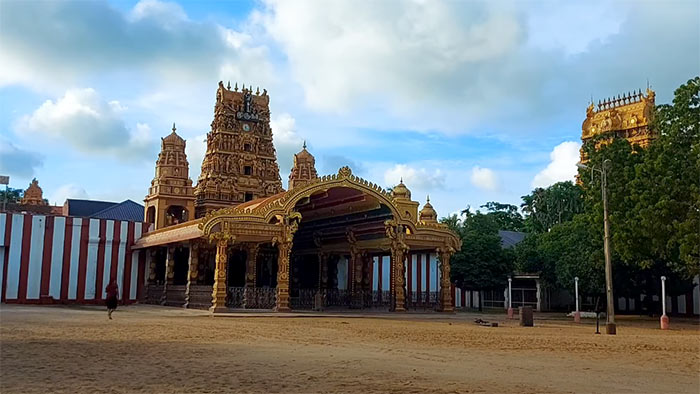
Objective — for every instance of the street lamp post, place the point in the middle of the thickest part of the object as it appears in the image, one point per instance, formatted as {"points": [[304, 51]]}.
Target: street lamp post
{"points": [[610, 326]]}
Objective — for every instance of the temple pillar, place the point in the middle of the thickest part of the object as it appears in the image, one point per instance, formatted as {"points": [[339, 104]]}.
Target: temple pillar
{"points": [[284, 252], [398, 284], [357, 292], [322, 276], [444, 255], [193, 270], [169, 272], [250, 274], [218, 295], [367, 278]]}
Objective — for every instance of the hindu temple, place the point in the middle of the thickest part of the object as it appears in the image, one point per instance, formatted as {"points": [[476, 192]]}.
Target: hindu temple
{"points": [[237, 239]]}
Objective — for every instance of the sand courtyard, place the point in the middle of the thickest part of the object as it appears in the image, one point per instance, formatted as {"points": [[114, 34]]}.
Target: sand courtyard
{"points": [[171, 350]]}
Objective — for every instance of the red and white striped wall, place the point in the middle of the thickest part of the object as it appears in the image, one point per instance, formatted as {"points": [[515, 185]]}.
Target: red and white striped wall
{"points": [[59, 259]]}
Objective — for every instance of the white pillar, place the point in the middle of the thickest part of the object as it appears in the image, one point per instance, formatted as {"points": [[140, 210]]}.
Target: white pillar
{"points": [[576, 284], [663, 294], [664, 318], [510, 298], [510, 293]]}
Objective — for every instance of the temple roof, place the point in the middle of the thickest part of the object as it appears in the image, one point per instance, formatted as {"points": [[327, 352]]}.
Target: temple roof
{"points": [[173, 138]]}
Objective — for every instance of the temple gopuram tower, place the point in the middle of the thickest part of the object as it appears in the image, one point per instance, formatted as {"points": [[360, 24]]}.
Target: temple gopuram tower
{"points": [[304, 169], [627, 116], [33, 195], [170, 198], [240, 163]]}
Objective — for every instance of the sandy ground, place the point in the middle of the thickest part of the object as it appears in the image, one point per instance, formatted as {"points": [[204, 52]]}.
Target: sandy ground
{"points": [[170, 350]]}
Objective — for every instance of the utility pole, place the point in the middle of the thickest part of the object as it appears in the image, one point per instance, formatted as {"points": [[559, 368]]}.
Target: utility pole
{"points": [[610, 326]]}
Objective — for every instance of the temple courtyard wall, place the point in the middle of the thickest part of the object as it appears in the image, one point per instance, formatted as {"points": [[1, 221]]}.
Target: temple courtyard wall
{"points": [[63, 259]]}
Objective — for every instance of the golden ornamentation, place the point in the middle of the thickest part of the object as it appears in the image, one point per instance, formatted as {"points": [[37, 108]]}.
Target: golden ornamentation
{"points": [[218, 296], [444, 254], [627, 116]]}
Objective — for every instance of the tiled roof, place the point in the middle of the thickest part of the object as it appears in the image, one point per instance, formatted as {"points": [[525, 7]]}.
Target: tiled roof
{"points": [[125, 210], [86, 208], [510, 238]]}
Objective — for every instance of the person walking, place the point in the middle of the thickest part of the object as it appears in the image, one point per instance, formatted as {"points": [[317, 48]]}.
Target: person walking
{"points": [[112, 291]]}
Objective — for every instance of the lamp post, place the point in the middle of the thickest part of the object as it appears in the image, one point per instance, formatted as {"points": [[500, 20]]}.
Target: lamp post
{"points": [[577, 313], [664, 318], [610, 326], [510, 298]]}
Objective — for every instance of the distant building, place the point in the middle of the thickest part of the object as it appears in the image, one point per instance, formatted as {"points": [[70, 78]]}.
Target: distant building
{"points": [[628, 116], [33, 202], [125, 210]]}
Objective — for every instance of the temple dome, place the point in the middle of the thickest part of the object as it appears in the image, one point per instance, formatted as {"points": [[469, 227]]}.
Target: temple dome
{"points": [[401, 191], [428, 213], [304, 169], [173, 138]]}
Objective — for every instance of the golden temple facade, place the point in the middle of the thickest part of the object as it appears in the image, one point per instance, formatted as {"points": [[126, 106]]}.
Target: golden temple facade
{"points": [[240, 163], [329, 241], [628, 116]]}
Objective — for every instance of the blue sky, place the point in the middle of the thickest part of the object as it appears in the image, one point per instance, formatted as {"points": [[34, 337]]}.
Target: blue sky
{"points": [[467, 101]]}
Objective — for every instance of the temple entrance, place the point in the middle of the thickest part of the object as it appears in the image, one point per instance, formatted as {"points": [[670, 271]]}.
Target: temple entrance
{"points": [[181, 256], [340, 232]]}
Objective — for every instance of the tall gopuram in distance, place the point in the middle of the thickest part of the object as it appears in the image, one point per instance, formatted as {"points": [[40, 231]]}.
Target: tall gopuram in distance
{"points": [[170, 198], [627, 116], [240, 163]]}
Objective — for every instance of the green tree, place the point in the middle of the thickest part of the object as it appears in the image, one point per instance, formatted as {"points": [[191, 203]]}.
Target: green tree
{"points": [[506, 216], [556, 204], [482, 263], [13, 195]]}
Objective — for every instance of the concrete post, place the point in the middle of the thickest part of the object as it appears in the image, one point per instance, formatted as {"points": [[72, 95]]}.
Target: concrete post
{"points": [[510, 298], [664, 318]]}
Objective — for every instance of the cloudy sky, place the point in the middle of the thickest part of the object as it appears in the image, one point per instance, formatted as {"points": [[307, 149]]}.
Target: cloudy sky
{"points": [[467, 101]]}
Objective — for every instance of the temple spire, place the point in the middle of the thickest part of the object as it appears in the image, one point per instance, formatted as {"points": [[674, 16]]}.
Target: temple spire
{"points": [[304, 144], [174, 127]]}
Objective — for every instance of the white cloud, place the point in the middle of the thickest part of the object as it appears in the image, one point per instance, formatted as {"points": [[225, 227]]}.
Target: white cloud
{"points": [[484, 178], [64, 192], [154, 41], [457, 67], [340, 52], [90, 124], [562, 166], [164, 13], [287, 142], [419, 178], [15, 161]]}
